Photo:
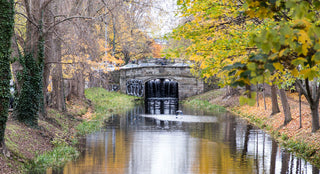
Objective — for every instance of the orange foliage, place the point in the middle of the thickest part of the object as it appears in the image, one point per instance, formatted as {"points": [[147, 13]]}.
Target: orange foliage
{"points": [[156, 50]]}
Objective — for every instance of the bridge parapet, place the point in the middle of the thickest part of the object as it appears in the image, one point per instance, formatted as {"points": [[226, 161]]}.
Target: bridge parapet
{"points": [[188, 84]]}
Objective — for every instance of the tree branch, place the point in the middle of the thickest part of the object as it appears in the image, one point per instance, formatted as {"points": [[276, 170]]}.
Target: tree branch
{"points": [[31, 21], [308, 91], [303, 90], [318, 95], [66, 19], [45, 4]]}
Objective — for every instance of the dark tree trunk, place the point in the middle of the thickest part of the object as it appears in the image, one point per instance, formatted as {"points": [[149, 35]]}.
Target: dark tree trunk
{"points": [[58, 98], [285, 162], [78, 84], [273, 157], [246, 142], [264, 98], [114, 37], [300, 116], [230, 135], [285, 106], [6, 31], [313, 100], [315, 170], [257, 96], [248, 90], [48, 59], [274, 100], [315, 117], [32, 30]]}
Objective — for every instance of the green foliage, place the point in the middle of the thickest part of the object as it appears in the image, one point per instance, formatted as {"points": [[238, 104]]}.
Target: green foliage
{"points": [[6, 31], [250, 101], [105, 103], [291, 40], [217, 33], [204, 105], [56, 158], [302, 149], [284, 137], [88, 127], [30, 100]]}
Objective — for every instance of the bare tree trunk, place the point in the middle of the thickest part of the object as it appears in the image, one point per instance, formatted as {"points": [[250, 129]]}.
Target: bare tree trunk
{"points": [[114, 37], [286, 107], [48, 59], [78, 84], [58, 97], [257, 95], [264, 97], [313, 102], [274, 100], [314, 87], [32, 32], [300, 116], [315, 117]]}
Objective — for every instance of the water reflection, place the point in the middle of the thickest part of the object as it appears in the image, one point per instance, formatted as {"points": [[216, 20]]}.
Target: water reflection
{"points": [[136, 145], [161, 105]]}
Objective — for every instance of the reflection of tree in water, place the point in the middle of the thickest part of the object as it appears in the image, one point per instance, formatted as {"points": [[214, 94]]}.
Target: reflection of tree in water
{"points": [[245, 145], [225, 146]]}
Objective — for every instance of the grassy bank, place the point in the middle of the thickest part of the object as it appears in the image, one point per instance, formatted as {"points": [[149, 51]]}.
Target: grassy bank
{"points": [[53, 143], [299, 140], [105, 104]]}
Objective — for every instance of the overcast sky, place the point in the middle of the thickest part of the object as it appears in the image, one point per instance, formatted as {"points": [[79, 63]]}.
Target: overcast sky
{"points": [[163, 16]]}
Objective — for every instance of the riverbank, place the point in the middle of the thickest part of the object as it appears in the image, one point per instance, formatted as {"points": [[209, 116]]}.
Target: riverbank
{"points": [[54, 142], [300, 140]]}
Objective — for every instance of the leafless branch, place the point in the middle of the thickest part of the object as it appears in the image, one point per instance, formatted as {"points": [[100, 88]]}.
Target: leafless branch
{"points": [[66, 19], [31, 21]]}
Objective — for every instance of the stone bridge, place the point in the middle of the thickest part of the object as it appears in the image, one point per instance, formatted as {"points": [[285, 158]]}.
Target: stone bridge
{"points": [[188, 85]]}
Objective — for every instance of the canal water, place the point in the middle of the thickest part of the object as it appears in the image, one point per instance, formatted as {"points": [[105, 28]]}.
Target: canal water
{"points": [[132, 144]]}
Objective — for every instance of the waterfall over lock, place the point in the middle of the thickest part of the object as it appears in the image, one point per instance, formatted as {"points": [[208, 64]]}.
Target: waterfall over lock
{"points": [[161, 96]]}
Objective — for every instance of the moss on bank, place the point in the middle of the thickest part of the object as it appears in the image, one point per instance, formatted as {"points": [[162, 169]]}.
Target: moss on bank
{"points": [[53, 143]]}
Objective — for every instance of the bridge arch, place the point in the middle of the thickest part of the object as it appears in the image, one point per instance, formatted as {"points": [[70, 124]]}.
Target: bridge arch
{"points": [[161, 88], [188, 84], [153, 78]]}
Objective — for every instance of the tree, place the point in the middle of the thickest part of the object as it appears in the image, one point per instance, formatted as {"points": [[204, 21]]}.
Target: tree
{"points": [[220, 46], [292, 42], [70, 42], [6, 31], [218, 35]]}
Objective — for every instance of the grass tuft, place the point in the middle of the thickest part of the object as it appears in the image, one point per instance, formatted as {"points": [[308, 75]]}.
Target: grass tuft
{"points": [[56, 158]]}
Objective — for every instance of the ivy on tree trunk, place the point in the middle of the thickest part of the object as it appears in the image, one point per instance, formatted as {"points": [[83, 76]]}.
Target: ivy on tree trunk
{"points": [[30, 100], [6, 31]]}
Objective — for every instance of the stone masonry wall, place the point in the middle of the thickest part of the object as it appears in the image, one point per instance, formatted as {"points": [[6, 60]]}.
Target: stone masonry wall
{"points": [[187, 83]]}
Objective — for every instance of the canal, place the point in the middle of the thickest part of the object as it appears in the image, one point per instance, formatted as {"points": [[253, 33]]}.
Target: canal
{"points": [[135, 144]]}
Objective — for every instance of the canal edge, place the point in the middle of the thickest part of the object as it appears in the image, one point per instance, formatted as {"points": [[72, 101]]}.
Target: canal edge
{"points": [[309, 151]]}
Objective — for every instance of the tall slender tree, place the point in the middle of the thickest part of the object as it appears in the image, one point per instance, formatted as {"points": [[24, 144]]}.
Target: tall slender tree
{"points": [[6, 31]]}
